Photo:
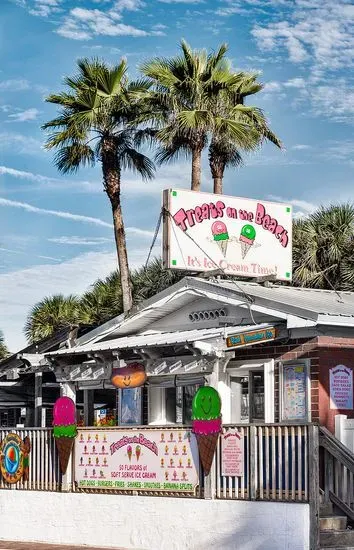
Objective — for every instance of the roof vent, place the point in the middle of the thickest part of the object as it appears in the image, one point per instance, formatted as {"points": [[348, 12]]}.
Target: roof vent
{"points": [[207, 315]]}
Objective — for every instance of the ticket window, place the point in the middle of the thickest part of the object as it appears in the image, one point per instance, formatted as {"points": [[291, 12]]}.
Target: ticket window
{"points": [[247, 398], [171, 405], [252, 393]]}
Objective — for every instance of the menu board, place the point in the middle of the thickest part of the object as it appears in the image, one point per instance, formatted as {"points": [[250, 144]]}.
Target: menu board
{"points": [[294, 396], [232, 457], [341, 387], [137, 460]]}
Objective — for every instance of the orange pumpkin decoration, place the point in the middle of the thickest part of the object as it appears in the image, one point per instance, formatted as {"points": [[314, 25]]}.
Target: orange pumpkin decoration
{"points": [[131, 376]]}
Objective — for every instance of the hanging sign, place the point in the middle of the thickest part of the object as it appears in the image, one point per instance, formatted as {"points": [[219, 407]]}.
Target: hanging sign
{"points": [[252, 337], [341, 387], [14, 458], [137, 460], [246, 237], [232, 457], [131, 376], [294, 392]]}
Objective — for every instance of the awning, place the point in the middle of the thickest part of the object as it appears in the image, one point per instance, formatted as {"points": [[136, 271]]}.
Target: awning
{"points": [[158, 339]]}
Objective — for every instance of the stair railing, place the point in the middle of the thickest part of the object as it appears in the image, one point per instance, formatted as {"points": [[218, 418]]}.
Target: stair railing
{"points": [[338, 473]]}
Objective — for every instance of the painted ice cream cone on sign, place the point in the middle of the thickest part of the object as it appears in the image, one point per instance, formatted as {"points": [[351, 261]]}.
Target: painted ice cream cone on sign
{"points": [[221, 236], [129, 452], [64, 429], [206, 418], [137, 452], [247, 237]]}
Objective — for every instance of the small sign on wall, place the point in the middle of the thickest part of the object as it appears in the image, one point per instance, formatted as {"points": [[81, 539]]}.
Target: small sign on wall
{"points": [[232, 457], [294, 392], [341, 387]]}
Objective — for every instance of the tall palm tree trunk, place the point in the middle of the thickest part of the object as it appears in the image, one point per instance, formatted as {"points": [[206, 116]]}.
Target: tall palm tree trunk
{"points": [[111, 177], [196, 169], [218, 182], [217, 167]]}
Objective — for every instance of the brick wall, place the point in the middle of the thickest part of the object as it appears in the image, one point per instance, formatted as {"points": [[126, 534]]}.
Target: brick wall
{"points": [[324, 353], [333, 352]]}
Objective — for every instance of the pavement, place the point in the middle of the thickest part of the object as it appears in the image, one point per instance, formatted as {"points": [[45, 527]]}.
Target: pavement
{"points": [[4, 545]]}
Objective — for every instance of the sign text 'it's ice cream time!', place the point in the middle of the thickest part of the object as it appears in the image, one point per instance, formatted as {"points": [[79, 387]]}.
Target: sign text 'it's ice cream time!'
{"points": [[240, 236]]}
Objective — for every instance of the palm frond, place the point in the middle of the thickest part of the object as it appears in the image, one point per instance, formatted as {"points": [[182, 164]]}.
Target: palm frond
{"points": [[68, 159], [131, 159]]}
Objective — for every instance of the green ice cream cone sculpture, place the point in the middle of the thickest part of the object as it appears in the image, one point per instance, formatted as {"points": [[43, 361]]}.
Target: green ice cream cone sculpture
{"points": [[206, 416], [220, 236], [64, 429], [247, 237]]}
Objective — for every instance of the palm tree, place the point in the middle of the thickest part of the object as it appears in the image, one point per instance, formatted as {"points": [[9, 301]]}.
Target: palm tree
{"points": [[323, 249], [92, 126], [103, 300], [224, 152], [184, 90], [4, 352], [52, 314], [153, 278]]}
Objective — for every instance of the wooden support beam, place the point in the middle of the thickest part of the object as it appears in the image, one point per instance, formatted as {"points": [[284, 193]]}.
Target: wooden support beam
{"points": [[38, 399], [89, 407], [314, 487]]}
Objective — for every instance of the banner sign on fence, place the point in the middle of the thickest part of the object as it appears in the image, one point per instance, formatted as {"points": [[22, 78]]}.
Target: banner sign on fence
{"points": [[341, 387], [232, 457], [137, 460]]}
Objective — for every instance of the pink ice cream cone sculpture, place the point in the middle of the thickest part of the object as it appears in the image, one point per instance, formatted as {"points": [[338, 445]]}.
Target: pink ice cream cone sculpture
{"points": [[64, 429], [220, 236]]}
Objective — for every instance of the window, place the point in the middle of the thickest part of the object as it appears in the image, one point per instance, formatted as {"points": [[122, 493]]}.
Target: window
{"points": [[130, 410], [171, 405]]}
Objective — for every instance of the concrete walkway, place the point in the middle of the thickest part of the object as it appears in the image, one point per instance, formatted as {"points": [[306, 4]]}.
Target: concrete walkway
{"points": [[4, 545]]}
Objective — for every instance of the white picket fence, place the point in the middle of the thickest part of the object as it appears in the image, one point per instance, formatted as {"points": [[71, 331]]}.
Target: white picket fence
{"points": [[276, 464]]}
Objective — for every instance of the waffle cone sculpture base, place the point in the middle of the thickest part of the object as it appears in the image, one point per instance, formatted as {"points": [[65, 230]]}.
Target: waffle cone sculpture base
{"points": [[64, 446], [207, 447]]}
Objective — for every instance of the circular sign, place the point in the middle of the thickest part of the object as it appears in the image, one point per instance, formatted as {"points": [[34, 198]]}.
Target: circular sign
{"points": [[11, 458]]}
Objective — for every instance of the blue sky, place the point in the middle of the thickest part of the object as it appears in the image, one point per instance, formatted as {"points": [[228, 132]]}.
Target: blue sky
{"points": [[55, 231]]}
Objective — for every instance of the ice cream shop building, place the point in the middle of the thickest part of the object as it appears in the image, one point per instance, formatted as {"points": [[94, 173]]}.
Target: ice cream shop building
{"points": [[277, 362]]}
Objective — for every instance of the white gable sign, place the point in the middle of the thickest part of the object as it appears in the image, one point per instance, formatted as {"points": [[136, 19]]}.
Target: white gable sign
{"points": [[247, 237]]}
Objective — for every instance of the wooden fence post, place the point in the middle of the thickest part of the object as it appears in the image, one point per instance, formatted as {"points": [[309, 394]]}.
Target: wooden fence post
{"points": [[314, 487], [252, 453]]}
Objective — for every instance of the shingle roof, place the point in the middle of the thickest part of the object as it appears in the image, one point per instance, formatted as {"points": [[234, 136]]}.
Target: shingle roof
{"points": [[322, 302]]}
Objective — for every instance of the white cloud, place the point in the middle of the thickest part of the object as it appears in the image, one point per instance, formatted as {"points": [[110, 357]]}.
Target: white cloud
{"points": [[19, 143], [83, 23], [56, 213], [80, 241], [43, 8], [301, 147], [182, 1], [48, 182], [301, 208], [317, 29], [25, 116], [20, 252], [295, 83], [98, 241], [14, 85], [20, 290], [334, 100]]}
